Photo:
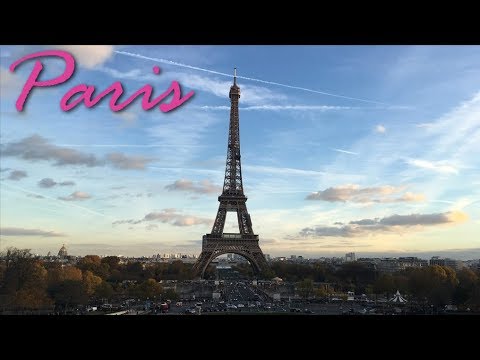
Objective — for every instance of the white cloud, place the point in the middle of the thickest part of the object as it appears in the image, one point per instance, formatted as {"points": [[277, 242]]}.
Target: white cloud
{"points": [[127, 162], [354, 193], [128, 118], [380, 129], [202, 187], [89, 56], [438, 166], [250, 94], [13, 231], [394, 223], [169, 216], [75, 196]]}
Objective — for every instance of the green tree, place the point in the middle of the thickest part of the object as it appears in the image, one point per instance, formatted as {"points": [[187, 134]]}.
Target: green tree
{"points": [[305, 288], [268, 274], [69, 293], [170, 294], [104, 290], [435, 283], [113, 262], [467, 279], [384, 284], [134, 271], [149, 289]]}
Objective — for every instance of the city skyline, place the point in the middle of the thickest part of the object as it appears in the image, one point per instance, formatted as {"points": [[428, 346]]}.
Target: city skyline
{"points": [[370, 149]]}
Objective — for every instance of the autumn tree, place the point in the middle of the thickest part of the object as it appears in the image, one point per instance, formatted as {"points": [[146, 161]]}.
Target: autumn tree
{"points": [[24, 281], [91, 282], [94, 264], [60, 273], [322, 291]]}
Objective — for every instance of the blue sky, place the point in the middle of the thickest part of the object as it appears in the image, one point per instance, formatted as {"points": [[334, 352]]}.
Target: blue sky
{"points": [[372, 149]]}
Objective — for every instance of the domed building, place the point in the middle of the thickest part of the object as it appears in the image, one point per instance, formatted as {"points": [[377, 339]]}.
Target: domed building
{"points": [[62, 253]]}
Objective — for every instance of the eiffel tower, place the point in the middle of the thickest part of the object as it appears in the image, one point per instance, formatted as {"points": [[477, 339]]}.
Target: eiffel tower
{"points": [[244, 243]]}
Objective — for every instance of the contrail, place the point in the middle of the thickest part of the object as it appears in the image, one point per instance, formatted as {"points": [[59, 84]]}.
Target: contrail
{"points": [[51, 198], [131, 145], [279, 107], [169, 62], [345, 151]]}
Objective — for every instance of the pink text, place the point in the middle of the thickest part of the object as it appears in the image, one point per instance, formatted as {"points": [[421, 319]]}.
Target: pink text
{"points": [[85, 93]]}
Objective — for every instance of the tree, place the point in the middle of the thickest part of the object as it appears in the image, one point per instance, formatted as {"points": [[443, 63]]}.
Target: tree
{"points": [[466, 284], [24, 280], [94, 264], [32, 298], [321, 292], [401, 283], [134, 270], [319, 272], [70, 292], [104, 290], [474, 301], [171, 294], [91, 282], [384, 284], [305, 288], [178, 270], [113, 262], [435, 283], [268, 274], [149, 289], [60, 273]]}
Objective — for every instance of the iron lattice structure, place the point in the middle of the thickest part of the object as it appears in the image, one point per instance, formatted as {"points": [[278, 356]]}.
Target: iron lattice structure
{"points": [[244, 243]]}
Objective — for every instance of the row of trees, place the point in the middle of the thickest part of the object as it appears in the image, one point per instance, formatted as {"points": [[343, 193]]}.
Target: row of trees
{"points": [[29, 283], [438, 285]]}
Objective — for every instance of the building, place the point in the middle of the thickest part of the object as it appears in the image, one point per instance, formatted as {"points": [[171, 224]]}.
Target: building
{"points": [[349, 257], [388, 265], [454, 264], [412, 261], [62, 253], [392, 265]]}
